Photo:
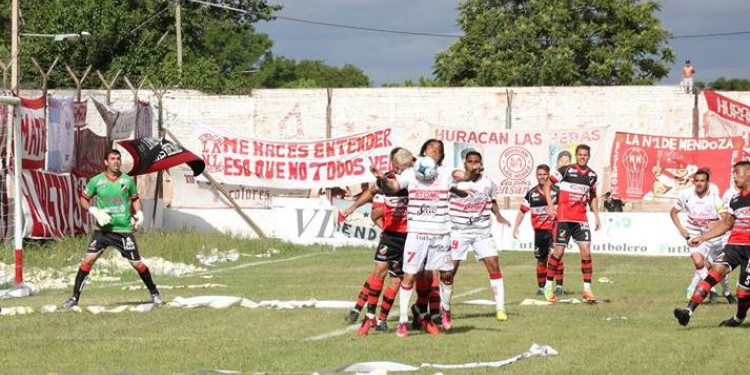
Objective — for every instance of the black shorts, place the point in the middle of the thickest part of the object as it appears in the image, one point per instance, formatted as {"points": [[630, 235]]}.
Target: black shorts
{"points": [[123, 242], [565, 230], [542, 243], [734, 256], [391, 250]]}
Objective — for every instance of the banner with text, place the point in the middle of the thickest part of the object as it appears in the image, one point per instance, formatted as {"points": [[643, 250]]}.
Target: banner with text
{"points": [[563, 143], [651, 167], [60, 157], [50, 205], [335, 162], [726, 117], [33, 133], [509, 157], [190, 192]]}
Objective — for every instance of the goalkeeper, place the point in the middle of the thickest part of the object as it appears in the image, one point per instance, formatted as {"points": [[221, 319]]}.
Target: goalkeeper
{"points": [[111, 197]]}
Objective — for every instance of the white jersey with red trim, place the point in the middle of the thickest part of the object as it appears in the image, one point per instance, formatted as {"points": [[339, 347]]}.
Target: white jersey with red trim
{"points": [[473, 213], [428, 201], [701, 211]]}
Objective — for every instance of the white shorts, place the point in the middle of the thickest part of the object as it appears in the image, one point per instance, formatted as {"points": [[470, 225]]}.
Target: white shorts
{"points": [[428, 252], [482, 243], [708, 249]]}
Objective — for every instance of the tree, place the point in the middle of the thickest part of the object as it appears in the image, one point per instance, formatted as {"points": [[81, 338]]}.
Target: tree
{"points": [[723, 84], [222, 52], [564, 42], [286, 73]]}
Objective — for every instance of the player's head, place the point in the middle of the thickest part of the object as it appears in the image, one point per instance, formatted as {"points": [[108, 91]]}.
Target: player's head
{"points": [[542, 173], [113, 161], [687, 62], [433, 148], [564, 158], [583, 152], [472, 160], [401, 159], [700, 180], [741, 175]]}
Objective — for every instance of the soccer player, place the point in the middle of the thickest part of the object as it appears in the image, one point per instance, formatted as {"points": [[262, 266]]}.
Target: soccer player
{"points": [[471, 221], [735, 253], [577, 183], [109, 197], [543, 224], [390, 211], [428, 227], [703, 207]]}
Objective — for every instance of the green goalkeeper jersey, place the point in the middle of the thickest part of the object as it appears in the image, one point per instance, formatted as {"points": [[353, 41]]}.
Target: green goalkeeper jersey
{"points": [[114, 197]]}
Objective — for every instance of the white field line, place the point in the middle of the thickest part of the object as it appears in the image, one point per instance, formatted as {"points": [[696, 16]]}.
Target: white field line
{"points": [[335, 333], [348, 329]]}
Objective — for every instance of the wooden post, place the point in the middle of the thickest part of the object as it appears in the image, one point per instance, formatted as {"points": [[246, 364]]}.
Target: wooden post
{"points": [[508, 124], [78, 82], [5, 73], [220, 188], [108, 84], [44, 77], [160, 124]]}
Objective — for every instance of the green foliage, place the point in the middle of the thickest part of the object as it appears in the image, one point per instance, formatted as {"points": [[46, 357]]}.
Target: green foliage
{"points": [[221, 49], [286, 73], [566, 42], [421, 82], [724, 84]]}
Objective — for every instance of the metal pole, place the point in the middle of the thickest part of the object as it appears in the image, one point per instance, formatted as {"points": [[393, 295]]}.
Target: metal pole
{"points": [[17, 220], [178, 31]]}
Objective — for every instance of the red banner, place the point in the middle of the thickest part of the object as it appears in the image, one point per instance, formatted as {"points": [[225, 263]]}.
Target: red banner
{"points": [[79, 114], [333, 162], [33, 133], [48, 204], [90, 151], [726, 117], [653, 167], [6, 230], [4, 128]]}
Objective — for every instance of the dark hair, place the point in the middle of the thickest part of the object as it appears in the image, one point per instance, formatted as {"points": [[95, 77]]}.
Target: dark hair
{"points": [[543, 167], [564, 153], [442, 149], [687, 61], [475, 153], [395, 150], [110, 152], [704, 172], [608, 194], [743, 163], [583, 146]]}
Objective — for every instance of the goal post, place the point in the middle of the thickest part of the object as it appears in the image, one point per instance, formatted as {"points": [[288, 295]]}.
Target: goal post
{"points": [[14, 118]]}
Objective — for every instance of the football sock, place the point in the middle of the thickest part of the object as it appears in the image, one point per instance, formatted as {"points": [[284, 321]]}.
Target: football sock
{"points": [[498, 289], [403, 300], [83, 273], [702, 290], [385, 306]]}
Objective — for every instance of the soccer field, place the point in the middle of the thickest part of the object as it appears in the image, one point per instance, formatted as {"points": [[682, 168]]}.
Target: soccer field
{"points": [[633, 331]]}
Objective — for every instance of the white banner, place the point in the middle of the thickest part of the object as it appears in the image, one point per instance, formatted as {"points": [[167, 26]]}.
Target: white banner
{"points": [[120, 124], [510, 158], [190, 192], [563, 143], [60, 157], [335, 162]]}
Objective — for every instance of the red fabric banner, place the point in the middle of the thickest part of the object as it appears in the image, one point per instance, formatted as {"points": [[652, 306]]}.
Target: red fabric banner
{"points": [[90, 151], [652, 167], [33, 133]]}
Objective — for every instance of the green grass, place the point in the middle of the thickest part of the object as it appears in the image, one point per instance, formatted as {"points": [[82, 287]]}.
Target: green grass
{"points": [[171, 340]]}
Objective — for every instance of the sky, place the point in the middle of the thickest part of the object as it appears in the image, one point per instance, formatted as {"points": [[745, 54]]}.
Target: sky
{"points": [[392, 58]]}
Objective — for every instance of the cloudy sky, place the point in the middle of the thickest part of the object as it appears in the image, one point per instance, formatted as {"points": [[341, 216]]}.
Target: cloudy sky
{"points": [[394, 58]]}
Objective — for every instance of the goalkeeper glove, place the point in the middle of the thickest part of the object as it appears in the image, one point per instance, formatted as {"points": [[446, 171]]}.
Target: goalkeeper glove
{"points": [[101, 216], [138, 219]]}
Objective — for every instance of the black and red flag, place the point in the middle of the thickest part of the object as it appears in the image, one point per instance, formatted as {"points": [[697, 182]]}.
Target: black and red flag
{"points": [[153, 155]]}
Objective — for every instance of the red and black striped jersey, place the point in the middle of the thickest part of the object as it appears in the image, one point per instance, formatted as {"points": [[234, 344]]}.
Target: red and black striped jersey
{"points": [[577, 186], [394, 208], [536, 202], [739, 207]]}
